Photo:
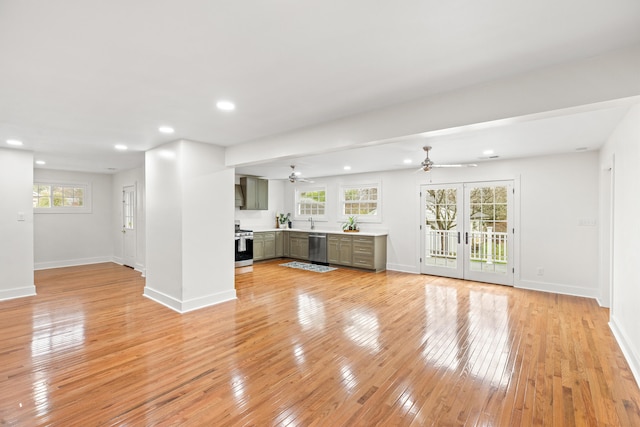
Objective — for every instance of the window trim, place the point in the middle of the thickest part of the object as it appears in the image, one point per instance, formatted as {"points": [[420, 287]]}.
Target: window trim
{"points": [[309, 188], [377, 218], [86, 208]]}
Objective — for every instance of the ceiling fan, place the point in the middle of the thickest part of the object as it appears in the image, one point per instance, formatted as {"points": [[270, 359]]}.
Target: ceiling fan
{"points": [[295, 176], [427, 164]]}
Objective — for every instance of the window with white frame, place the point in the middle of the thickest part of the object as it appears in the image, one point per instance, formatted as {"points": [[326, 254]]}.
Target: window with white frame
{"points": [[362, 201], [50, 197], [311, 202]]}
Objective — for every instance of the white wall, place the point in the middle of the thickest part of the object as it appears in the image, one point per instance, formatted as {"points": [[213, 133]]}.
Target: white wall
{"points": [[16, 241], [256, 220], [119, 181], [556, 192], [624, 147], [189, 217], [64, 239]]}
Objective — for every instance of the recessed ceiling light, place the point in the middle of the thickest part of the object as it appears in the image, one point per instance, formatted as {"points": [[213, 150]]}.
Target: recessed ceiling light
{"points": [[40, 162], [166, 129], [225, 105], [407, 161], [14, 142], [347, 168], [487, 152], [121, 147]]}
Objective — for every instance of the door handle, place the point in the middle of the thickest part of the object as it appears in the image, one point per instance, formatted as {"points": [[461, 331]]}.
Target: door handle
{"points": [[458, 237], [466, 238]]}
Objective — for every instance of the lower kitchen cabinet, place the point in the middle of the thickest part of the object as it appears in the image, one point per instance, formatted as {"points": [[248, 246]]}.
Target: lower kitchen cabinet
{"points": [[264, 245], [340, 249], [351, 250], [367, 252], [258, 246], [298, 245], [285, 244], [269, 245], [279, 244]]}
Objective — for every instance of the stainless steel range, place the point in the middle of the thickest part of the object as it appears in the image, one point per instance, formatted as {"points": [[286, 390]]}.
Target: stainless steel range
{"points": [[244, 246]]}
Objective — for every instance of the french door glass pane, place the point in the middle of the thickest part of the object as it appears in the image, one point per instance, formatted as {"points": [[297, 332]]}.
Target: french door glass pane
{"points": [[488, 229], [440, 228]]}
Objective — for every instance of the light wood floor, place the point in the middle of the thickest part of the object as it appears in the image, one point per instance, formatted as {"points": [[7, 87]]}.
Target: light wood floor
{"points": [[304, 348]]}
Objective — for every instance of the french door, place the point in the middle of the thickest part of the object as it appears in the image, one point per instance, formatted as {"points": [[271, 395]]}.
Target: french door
{"points": [[467, 231]]}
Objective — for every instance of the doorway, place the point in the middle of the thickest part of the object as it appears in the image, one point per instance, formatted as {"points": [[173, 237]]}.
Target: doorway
{"points": [[467, 231], [129, 225]]}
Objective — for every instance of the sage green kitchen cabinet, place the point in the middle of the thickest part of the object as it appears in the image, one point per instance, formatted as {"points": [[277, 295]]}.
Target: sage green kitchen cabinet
{"points": [[269, 245], [264, 245], [258, 246], [298, 245], [339, 249], [285, 244], [256, 193], [279, 244], [370, 252]]}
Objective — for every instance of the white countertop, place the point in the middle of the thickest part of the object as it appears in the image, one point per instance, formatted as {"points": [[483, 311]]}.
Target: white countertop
{"points": [[320, 230]]}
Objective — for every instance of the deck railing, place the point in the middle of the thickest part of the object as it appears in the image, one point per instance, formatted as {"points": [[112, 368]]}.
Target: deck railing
{"points": [[485, 246]]}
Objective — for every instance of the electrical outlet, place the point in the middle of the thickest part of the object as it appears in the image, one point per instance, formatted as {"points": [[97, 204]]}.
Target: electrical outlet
{"points": [[540, 271], [20, 216]]}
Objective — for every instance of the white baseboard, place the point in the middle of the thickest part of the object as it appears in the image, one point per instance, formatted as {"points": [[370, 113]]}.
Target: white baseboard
{"points": [[71, 262], [630, 355], [557, 288], [25, 291], [404, 268], [190, 305]]}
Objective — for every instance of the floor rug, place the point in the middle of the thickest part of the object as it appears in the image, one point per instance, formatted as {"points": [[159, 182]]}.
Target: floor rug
{"points": [[308, 267]]}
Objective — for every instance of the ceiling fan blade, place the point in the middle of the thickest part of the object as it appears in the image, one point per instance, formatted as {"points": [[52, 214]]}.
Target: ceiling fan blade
{"points": [[466, 165]]}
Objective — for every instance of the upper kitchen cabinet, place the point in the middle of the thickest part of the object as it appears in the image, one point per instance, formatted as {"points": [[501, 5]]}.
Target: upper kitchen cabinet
{"points": [[256, 193]]}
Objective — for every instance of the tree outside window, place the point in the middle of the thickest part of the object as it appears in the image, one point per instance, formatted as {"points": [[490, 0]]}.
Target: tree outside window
{"points": [[311, 202], [60, 197], [361, 201]]}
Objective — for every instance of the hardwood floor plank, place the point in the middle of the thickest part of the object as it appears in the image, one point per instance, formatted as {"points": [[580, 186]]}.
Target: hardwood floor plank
{"points": [[303, 348]]}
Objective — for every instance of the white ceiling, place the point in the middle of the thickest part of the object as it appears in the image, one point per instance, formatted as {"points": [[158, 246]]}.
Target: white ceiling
{"points": [[78, 77]]}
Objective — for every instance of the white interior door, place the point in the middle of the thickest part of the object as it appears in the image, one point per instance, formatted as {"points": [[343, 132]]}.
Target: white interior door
{"points": [[129, 225], [467, 231]]}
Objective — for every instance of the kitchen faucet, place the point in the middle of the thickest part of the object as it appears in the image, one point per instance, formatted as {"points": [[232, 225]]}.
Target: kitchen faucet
{"points": [[312, 223]]}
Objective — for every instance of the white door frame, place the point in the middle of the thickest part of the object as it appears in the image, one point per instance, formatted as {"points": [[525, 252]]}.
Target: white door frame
{"points": [[129, 231]]}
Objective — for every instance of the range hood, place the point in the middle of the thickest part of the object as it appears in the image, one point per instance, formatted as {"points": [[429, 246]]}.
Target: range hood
{"points": [[239, 196]]}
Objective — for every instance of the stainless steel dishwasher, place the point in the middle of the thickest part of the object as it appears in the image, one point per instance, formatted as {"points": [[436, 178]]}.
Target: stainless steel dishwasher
{"points": [[318, 248]]}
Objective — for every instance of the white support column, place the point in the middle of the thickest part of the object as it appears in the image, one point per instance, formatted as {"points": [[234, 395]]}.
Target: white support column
{"points": [[190, 199]]}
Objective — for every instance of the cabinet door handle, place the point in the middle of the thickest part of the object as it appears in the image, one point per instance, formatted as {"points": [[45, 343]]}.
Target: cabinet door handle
{"points": [[458, 237], [466, 238]]}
